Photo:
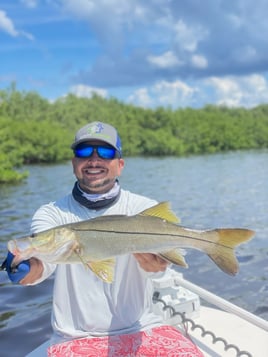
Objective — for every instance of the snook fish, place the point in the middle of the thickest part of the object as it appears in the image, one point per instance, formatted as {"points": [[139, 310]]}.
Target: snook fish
{"points": [[97, 241]]}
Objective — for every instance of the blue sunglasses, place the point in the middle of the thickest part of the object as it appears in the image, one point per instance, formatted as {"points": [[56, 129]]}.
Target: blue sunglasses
{"points": [[104, 152]]}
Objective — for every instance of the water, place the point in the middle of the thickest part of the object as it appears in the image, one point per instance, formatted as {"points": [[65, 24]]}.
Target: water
{"points": [[205, 191]]}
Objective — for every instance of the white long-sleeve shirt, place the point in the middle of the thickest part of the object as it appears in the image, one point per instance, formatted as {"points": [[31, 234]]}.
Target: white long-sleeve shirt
{"points": [[83, 305]]}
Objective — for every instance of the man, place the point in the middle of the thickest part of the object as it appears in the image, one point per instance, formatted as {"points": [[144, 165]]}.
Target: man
{"points": [[84, 305]]}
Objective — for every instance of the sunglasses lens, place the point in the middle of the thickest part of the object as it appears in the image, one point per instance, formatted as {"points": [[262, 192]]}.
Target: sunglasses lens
{"points": [[107, 153], [85, 151]]}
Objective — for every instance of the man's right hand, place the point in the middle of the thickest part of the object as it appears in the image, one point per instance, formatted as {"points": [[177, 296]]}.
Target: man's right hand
{"points": [[26, 272], [19, 272]]}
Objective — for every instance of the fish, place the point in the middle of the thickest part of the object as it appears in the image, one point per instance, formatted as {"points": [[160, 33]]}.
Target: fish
{"points": [[98, 241]]}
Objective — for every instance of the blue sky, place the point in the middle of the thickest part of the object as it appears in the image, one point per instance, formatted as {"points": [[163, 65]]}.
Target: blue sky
{"points": [[176, 53]]}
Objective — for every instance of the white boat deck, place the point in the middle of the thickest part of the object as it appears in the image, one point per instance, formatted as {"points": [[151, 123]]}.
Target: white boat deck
{"points": [[224, 331], [242, 338]]}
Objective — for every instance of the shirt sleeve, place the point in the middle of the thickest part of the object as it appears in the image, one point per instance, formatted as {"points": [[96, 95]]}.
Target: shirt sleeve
{"points": [[45, 218]]}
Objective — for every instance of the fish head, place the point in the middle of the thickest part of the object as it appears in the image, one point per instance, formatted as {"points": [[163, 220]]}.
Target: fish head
{"points": [[21, 249], [51, 246]]}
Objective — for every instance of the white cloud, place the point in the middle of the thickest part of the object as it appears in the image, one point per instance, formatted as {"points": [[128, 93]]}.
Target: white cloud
{"points": [[81, 90], [30, 3], [7, 25], [166, 60], [188, 36], [199, 61], [140, 97], [109, 20], [175, 93], [152, 45], [79, 8], [164, 93], [28, 35], [247, 91], [114, 13]]}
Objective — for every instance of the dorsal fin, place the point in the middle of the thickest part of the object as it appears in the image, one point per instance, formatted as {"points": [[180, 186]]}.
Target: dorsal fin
{"points": [[161, 210]]}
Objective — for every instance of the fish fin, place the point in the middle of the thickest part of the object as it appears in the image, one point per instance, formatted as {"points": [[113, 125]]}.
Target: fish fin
{"points": [[161, 210], [104, 269], [174, 257], [223, 252]]}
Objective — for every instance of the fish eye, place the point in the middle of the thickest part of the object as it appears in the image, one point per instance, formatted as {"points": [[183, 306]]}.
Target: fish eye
{"points": [[32, 235]]}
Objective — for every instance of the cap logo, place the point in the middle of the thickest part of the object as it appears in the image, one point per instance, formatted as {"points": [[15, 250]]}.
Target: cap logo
{"points": [[96, 129]]}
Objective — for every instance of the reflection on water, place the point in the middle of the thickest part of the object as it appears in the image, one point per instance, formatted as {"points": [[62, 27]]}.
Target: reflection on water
{"points": [[205, 191]]}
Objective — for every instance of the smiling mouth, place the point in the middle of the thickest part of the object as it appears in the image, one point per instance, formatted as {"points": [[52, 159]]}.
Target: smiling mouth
{"points": [[94, 171]]}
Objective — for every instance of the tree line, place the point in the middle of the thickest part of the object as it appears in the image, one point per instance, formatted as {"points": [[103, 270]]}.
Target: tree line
{"points": [[34, 130]]}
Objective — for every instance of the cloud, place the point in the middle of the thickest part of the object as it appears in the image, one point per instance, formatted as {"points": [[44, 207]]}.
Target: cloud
{"points": [[246, 91], [7, 26], [199, 61], [141, 98], [188, 36], [166, 60], [164, 93], [143, 42], [174, 53], [28, 35], [30, 3], [110, 20], [81, 90]]}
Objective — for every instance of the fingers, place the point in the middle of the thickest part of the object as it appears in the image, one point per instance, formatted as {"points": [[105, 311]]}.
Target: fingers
{"points": [[151, 262], [35, 272]]}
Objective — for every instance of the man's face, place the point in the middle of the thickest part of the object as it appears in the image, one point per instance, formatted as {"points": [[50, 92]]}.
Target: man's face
{"points": [[94, 174]]}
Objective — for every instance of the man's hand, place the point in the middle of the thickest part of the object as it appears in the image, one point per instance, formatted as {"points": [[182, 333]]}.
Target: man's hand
{"points": [[26, 272], [151, 262], [35, 272], [16, 274]]}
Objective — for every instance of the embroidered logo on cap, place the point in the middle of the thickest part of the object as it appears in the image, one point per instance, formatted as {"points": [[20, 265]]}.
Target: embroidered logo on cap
{"points": [[96, 129]]}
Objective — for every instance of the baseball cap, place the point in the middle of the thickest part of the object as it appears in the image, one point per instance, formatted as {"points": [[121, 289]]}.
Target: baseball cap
{"points": [[98, 131]]}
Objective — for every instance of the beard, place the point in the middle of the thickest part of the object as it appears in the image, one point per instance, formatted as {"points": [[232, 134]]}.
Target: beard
{"points": [[96, 187]]}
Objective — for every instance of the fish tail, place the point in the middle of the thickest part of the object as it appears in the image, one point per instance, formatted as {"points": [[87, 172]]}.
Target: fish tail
{"points": [[223, 253]]}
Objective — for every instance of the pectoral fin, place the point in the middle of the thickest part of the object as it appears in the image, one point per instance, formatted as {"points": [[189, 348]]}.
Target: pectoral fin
{"points": [[175, 257], [104, 269]]}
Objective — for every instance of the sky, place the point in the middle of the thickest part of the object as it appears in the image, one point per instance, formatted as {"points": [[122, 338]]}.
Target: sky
{"points": [[150, 53]]}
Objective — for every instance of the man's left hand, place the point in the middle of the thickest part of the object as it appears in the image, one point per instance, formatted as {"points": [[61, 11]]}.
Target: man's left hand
{"points": [[151, 262]]}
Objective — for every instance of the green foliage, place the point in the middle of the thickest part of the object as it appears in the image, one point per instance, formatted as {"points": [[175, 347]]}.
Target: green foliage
{"points": [[33, 130], [7, 171]]}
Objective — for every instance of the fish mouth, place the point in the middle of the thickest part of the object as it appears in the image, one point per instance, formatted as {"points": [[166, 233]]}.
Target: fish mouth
{"points": [[13, 247]]}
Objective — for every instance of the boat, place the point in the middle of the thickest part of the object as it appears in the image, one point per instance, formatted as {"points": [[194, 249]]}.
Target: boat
{"points": [[218, 327]]}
